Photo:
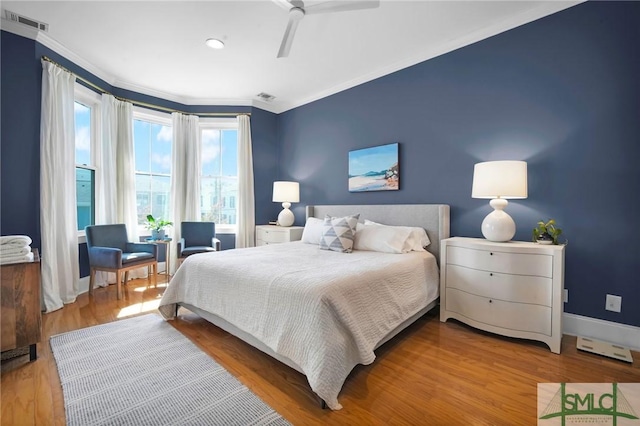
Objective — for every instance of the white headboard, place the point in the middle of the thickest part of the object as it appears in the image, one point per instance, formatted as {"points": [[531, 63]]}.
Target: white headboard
{"points": [[434, 218]]}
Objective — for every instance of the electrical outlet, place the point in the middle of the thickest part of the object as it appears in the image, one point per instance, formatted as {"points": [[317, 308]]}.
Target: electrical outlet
{"points": [[565, 296], [614, 303]]}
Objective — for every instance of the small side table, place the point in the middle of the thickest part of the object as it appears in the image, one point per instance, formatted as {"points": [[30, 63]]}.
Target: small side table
{"points": [[167, 243]]}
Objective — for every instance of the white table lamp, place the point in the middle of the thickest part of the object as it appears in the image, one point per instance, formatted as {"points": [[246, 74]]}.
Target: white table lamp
{"points": [[286, 193], [498, 181]]}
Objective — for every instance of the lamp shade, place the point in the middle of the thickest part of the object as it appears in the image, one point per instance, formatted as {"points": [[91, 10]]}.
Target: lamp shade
{"points": [[500, 179], [286, 192]]}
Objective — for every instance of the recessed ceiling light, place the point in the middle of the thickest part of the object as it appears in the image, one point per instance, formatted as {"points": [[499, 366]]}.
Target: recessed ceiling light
{"points": [[214, 43]]}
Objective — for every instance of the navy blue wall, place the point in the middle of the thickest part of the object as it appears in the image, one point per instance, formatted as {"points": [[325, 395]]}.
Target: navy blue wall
{"points": [[19, 156], [562, 93]]}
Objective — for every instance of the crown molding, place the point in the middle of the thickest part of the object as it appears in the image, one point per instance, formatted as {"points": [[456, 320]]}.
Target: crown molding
{"points": [[18, 29], [47, 41], [544, 9], [278, 106], [184, 100]]}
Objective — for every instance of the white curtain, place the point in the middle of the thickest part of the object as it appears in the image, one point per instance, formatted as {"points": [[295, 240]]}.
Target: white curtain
{"points": [[58, 215], [115, 183], [185, 174], [245, 235]]}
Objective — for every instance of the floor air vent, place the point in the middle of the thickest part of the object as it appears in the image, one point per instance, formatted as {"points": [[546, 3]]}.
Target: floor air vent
{"points": [[604, 348], [12, 16]]}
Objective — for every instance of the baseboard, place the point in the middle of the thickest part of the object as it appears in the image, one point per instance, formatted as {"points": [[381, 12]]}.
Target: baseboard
{"points": [[83, 285], [607, 331]]}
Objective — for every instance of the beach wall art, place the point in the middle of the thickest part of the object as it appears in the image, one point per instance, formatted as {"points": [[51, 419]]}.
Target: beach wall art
{"points": [[374, 169]]}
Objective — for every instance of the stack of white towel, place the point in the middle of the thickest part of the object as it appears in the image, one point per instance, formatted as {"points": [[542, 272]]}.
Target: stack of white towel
{"points": [[15, 249]]}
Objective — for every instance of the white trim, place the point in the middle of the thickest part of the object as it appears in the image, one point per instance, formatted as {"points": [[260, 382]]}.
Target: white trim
{"points": [[152, 116], [225, 229], [222, 123], [607, 331], [544, 9], [83, 285]]}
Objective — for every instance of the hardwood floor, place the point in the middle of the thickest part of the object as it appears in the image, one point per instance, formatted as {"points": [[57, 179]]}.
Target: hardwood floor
{"points": [[432, 373]]}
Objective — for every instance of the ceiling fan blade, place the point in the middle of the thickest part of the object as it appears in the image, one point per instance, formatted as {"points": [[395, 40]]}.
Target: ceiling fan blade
{"points": [[283, 4], [287, 40], [286, 4], [341, 6]]}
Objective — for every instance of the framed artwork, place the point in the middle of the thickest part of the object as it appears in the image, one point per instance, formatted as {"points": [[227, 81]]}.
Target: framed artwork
{"points": [[374, 169]]}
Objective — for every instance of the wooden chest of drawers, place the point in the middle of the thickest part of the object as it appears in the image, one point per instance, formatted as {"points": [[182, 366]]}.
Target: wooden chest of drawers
{"points": [[514, 289], [21, 313]]}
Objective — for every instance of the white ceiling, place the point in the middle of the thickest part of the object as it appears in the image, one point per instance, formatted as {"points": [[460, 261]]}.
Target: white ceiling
{"points": [[157, 48]]}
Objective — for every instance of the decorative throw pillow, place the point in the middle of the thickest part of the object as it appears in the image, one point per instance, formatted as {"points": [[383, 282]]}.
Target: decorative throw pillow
{"points": [[380, 238], [416, 241], [312, 230], [338, 233]]}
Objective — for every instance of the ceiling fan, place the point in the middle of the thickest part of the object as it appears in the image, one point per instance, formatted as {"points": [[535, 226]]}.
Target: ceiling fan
{"points": [[297, 11]]}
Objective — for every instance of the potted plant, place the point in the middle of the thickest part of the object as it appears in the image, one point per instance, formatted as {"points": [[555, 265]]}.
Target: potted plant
{"points": [[546, 232], [157, 227]]}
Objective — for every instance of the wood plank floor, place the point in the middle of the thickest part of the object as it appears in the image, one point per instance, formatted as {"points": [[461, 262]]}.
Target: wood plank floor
{"points": [[432, 373]]}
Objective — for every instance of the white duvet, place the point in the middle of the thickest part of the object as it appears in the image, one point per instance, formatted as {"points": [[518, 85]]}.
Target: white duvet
{"points": [[324, 310]]}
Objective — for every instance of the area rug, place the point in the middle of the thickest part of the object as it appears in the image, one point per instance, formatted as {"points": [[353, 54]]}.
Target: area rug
{"points": [[142, 371]]}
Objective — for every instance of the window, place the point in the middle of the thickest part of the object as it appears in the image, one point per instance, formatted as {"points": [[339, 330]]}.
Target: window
{"points": [[152, 139], [86, 115], [219, 184]]}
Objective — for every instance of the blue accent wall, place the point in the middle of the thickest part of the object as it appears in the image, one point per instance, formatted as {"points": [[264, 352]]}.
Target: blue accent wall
{"points": [[562, 93], [19, 155]]}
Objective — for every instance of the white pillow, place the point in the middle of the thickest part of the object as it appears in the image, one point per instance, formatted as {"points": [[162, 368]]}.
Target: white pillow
{"points": [[385, 239], [312, 231], [338, 233], [417, 240]]}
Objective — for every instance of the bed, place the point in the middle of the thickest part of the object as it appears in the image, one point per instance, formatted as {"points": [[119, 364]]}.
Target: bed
{"points": [[320, 312]]}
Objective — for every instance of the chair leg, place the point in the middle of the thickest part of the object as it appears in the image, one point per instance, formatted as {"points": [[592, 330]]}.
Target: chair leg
{"points": [[126, 277], [155, 274], [92, 280], [119, 283]]}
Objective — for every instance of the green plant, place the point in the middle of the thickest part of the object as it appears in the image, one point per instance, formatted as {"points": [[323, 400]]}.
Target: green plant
{"points": [[156, 224], [547, 231]]}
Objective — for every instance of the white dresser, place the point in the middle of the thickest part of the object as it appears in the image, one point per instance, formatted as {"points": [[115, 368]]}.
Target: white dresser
{"points": [[273, 234], [514, 289]]}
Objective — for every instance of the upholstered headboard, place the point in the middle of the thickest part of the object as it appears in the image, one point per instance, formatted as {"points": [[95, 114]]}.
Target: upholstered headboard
{"points": [[434, 218]]}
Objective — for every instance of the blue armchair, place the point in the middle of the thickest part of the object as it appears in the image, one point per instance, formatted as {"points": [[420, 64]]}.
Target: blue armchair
{"points": [[197, 237], [110, 250]]}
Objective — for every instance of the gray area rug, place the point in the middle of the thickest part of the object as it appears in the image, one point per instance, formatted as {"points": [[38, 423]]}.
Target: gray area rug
{"points": [[142, 371]]}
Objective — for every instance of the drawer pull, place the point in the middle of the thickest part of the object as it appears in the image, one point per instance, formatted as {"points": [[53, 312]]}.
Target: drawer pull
{"points": [[490, 301], [491, 253], [490, 274]]}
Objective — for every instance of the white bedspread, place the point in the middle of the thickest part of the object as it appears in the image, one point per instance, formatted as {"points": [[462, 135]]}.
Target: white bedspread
{"points": [[324, 310]]}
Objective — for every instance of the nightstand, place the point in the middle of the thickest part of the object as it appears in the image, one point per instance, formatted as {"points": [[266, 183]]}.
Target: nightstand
{"points": [[514, 289], [273, 234]]}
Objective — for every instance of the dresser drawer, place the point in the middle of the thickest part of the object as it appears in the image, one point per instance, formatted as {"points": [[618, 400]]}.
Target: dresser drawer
{"points": [[511, 288], [270, 236], [498, 313], [499, 261]]}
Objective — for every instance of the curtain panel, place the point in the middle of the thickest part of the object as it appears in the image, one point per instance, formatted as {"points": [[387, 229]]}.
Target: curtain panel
{"points": [[58, 214], [185, 174], [116, 180], [245, 234]]}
